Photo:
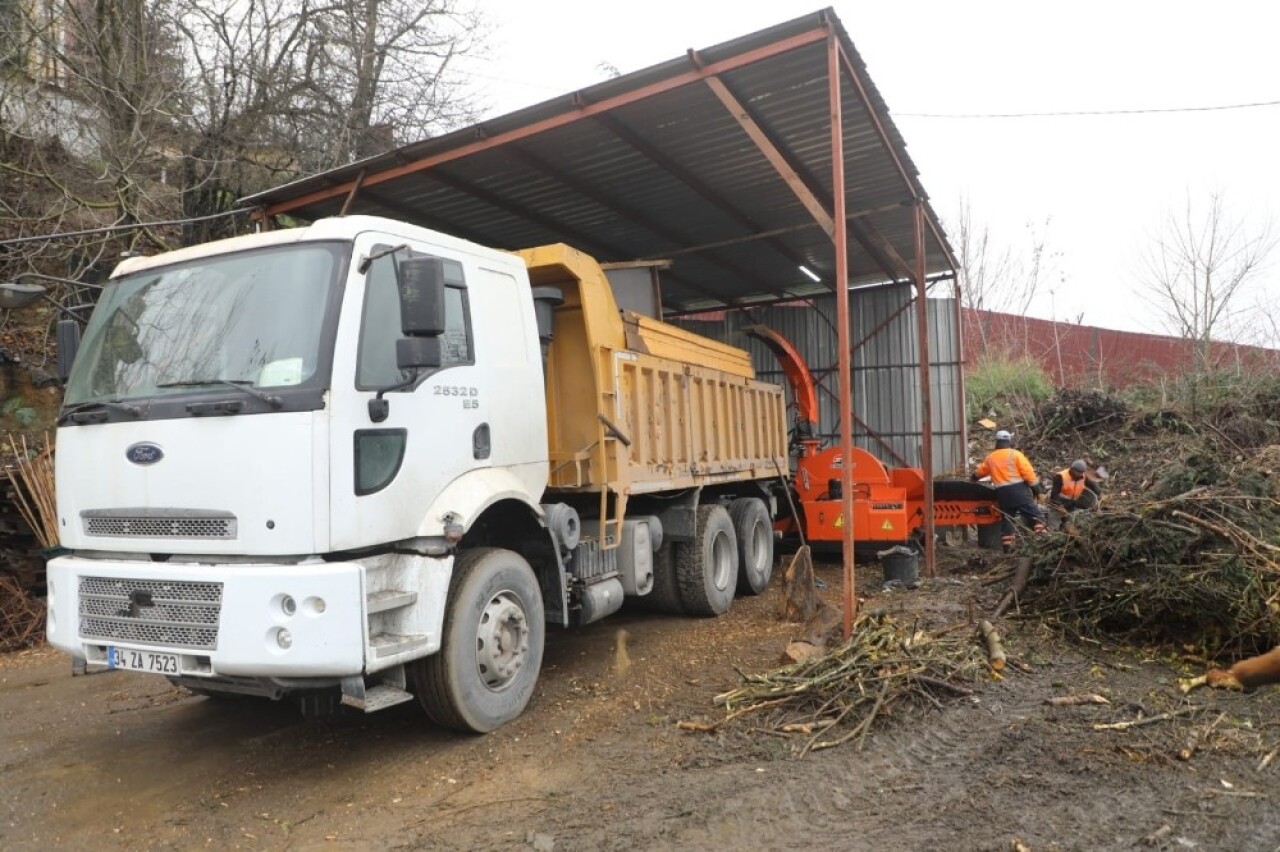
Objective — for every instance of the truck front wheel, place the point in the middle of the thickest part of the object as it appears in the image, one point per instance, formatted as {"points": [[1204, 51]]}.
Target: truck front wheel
{"points": [[491, 650], [707, 567]]}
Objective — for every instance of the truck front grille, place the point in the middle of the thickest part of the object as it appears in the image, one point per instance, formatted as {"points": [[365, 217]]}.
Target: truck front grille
{"points": [[173, 613], [159, 523]]}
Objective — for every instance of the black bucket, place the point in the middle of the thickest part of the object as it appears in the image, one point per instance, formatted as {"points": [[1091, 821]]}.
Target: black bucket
{"points": [[900, 564]]}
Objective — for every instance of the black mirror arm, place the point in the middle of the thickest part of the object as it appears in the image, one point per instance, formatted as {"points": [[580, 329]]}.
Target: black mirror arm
{"points": [[379, 408], [70, 312]]}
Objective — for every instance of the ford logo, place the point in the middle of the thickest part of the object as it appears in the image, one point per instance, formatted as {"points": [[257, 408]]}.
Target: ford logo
{"points": [[144, 453]]}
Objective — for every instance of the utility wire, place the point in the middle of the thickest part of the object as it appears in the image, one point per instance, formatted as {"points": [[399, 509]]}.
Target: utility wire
{"points": [[1068, 113], [132, 226]]}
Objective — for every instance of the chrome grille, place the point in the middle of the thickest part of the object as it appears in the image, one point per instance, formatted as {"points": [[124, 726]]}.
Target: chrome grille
{"points": [[174, 613], [159, 523]]}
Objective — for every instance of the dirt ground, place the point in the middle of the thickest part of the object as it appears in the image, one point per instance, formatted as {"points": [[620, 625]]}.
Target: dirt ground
{"points": [[121, 760]]}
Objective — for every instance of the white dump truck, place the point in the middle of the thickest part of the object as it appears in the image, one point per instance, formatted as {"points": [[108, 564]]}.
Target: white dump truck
{"points": [[362, 461]]}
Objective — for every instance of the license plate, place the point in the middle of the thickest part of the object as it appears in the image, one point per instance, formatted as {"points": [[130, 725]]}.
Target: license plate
{"points": [[142, 661]]}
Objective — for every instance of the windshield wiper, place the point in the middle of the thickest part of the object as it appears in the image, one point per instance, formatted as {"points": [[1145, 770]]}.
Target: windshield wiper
{"points": [[238, 384], [98, 407]]}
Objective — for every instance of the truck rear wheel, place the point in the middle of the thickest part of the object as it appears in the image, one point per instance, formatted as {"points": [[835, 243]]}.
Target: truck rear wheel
{"points": [[755, 544], [664, 597], [491, 649], [707, 567]]}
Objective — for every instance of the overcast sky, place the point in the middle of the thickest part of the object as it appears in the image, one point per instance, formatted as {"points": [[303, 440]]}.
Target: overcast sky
{"points": [[1103, 184]]}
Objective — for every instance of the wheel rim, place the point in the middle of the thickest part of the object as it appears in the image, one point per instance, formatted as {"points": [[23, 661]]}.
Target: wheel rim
{"points": [[759, 550], [721, 560], [502, 641]]}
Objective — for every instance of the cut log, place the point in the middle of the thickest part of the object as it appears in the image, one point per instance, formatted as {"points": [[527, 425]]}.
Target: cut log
{"points": [[798, 652], [825, 627], [1075, 700], [699, 727], [995, 650], [800, 589], [1248, 674], [1021, 573]]}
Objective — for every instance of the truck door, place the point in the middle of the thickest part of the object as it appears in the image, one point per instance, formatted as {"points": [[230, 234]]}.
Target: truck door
{"points": [[385, 474]]}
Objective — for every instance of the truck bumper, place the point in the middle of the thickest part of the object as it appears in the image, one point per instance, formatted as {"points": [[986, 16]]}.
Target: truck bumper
{"points": [[254, 620]]}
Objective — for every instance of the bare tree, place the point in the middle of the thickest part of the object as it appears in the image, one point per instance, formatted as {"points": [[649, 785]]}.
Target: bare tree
{"points": [[1198, 269], [999, 277], [125, 110], [280, 88], [385, 75], [122, 111]]}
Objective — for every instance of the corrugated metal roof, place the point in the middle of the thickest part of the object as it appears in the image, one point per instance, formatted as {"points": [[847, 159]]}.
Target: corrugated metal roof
{"points": [[655, 164]]}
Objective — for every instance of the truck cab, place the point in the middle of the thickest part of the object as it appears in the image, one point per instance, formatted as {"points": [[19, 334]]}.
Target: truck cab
{"points": [[218, 413]]}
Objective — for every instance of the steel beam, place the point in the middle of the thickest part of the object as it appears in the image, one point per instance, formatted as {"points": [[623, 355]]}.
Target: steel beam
{"points": [[773, 154], [926, 394], [804, 187], [842, 332]]}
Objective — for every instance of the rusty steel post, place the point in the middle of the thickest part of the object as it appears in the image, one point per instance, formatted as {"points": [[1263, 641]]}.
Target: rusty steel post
{"points": [[845, 358], [926, 396], [960, 358]]}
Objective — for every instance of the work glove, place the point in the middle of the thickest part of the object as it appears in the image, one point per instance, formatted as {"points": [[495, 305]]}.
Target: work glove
{"points": [[1037, 489]]}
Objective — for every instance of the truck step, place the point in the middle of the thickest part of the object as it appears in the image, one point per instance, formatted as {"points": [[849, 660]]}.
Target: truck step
{"points": [[386, 644], [383, 601], [383, 695]]}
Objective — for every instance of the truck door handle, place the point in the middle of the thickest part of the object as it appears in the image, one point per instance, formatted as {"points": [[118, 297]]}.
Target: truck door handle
{"points": [[480, 444]]}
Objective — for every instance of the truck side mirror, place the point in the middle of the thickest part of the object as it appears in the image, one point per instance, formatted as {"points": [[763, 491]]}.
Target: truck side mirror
{"points": [[418, 353], [15, 295], [68, 337], [422, 297]]}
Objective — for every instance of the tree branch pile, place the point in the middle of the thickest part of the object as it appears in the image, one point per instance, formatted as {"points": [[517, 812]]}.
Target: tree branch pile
{"points": [[831, 700], [1075, 410], [21, 616], [1195, 560]]}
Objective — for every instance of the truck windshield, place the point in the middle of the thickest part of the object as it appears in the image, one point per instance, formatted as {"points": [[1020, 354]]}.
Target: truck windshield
{"points": [[252, 318]]}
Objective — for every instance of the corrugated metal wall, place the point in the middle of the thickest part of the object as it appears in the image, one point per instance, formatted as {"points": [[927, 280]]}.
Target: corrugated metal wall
{"points": [[886, 377]]}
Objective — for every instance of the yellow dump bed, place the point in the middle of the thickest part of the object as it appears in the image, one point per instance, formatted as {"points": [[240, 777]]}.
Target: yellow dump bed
{"points": [[637, 406]]}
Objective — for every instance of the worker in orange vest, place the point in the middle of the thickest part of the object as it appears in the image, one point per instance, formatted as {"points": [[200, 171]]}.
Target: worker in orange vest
{"points": [[1016, 487], [1072, 489]]}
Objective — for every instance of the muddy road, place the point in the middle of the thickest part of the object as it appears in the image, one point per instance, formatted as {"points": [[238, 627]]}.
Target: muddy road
{"points": [[122, 761]]}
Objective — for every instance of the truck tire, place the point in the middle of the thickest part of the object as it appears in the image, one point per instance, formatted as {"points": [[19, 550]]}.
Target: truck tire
{"points": [[707, 567], [664, 597], [491, 648], [755, 544]]}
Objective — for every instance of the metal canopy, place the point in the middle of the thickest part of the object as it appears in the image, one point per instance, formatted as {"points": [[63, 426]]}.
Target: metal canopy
{"points": [[720, 160]]}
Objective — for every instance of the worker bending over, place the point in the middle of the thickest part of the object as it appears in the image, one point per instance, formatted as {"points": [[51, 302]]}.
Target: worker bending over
{"points": [[1016, 487], [1073, 490]]}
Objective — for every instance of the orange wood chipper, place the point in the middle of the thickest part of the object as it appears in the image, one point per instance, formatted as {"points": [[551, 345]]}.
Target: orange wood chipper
{"points": [[888, 503]]}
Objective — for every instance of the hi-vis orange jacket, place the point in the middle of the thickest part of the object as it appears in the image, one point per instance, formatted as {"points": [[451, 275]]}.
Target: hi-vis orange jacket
{"points": [[1071, 488], [1006, 466]]}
